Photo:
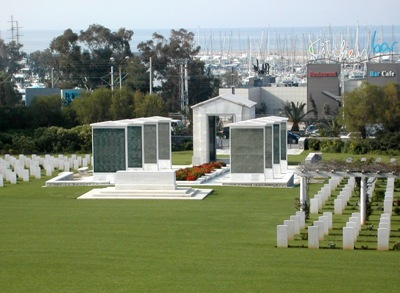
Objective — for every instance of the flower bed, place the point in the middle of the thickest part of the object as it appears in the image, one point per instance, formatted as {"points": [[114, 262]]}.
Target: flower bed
{"points": [[195, 172]]}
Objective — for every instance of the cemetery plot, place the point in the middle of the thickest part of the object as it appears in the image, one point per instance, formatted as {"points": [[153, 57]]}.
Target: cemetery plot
{"points": [[25, 168], [335, 221]]}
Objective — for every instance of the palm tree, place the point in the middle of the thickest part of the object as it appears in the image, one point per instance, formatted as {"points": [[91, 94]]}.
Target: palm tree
{"points": [[295, 113]]}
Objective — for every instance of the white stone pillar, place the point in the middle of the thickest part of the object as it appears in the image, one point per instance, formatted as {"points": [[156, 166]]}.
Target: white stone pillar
{"points": [[363, 200], [303, 192]]}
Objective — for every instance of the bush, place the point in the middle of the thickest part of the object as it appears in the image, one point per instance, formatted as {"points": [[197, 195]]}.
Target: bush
{"points": [[379, 195], [332, 145], [314, 144]]}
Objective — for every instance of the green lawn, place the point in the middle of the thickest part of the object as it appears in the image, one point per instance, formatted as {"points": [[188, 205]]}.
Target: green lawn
{"points": [[51, 242]]}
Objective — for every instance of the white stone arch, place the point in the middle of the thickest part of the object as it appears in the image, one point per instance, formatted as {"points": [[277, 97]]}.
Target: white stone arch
{"points": [[227, 104]]}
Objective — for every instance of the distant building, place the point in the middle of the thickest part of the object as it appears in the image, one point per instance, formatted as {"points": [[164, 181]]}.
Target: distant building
{"points": [[323, 88]]}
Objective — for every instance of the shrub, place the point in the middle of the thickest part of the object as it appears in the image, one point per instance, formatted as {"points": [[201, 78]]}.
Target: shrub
{"points": [[379, 195], [314, 144]]}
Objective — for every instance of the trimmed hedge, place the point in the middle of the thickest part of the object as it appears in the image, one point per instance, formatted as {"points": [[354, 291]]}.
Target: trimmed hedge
{"points": [[47, 140], [387, 144]]}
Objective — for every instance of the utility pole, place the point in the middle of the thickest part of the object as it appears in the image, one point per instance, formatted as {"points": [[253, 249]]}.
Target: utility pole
{"points": [[151, 77]]}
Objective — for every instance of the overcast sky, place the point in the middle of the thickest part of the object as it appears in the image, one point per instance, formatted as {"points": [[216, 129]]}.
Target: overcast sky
{"points": [[189, 14]]}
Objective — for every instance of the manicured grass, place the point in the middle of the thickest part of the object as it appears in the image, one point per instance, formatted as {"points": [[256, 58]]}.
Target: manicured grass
{"points": [[51, 242]]}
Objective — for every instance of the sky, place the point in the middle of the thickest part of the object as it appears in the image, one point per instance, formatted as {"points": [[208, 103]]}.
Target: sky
{"points": [[191, 14]]}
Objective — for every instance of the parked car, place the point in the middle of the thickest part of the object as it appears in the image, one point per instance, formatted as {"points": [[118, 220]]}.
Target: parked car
{"points": [[292, 138], [350, 135], [225, 132]]}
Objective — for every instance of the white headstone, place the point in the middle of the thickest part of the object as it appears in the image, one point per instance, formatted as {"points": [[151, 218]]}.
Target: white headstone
{"points": [[314, 205], [290, 225], [383, 239], [302, 216], [325, 219], [13, 178], [25, 175], [330, 217], [384, 225], [354, 226], [387, 206], [296, 220], [357, 221], [1, 180], [313, 237], [338, 206], [348, 238], [282, 236], [320, 226]]}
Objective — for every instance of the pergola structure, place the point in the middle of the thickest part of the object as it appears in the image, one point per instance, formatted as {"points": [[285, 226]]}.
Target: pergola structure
{"points": [[363, 169]]}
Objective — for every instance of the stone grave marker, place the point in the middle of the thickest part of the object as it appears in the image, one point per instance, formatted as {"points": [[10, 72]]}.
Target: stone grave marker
{"points": [[282, 236], [348, 238], [313, 237]]}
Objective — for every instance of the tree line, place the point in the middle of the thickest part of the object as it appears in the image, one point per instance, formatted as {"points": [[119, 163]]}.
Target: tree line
{"points": [[85, 59]]}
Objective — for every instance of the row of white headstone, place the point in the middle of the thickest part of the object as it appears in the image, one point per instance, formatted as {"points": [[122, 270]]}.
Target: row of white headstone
{"points": [[323, 195], [340, 202], [351, 231], [385, 219], [12, 168], [319, 229], [290, 228]]}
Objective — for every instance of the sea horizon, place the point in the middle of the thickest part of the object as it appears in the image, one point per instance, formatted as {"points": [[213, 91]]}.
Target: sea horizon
{"points": [[240, 39]]}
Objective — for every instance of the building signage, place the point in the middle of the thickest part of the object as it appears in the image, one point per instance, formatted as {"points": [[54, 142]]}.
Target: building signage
{"points": [[323, 74], [325, 49], [382, 48], [384, 73]]}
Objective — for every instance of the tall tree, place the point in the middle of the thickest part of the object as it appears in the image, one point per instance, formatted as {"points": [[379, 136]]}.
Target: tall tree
{"points": [[93, 106], [362, 107], [85, 60], [390, 117], [168, 57], [149, 105]]}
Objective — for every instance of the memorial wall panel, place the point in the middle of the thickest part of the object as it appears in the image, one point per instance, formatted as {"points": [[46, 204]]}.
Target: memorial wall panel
{"points": [[109, 149], [135, 148], [150, 142], [247, 150], [164, 141]]}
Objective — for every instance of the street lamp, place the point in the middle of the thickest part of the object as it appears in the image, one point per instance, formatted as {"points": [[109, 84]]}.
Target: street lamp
{"points": [[120, 71]]}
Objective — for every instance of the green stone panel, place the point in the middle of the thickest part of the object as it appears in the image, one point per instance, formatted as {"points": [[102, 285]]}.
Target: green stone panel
{"points": [[276, 144], [109, 149], [268, 147], [164, 141], [283, 141], [150, 144], [247, 150], [135, 149]]}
